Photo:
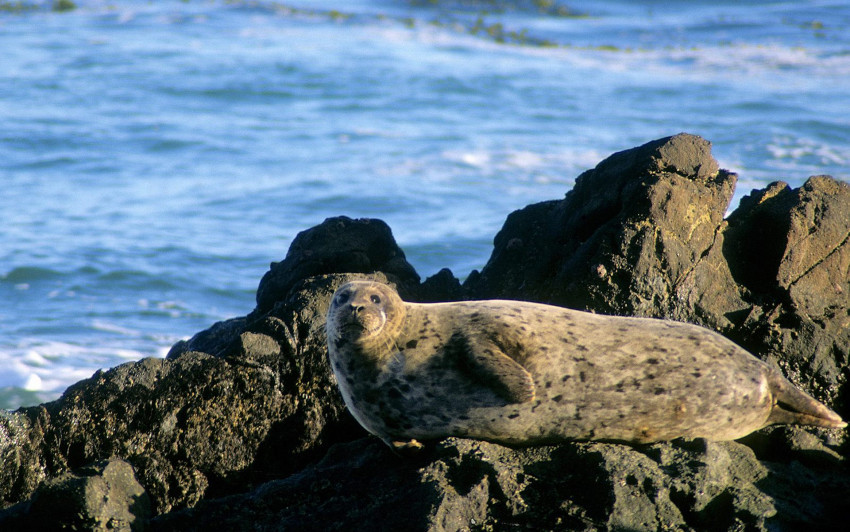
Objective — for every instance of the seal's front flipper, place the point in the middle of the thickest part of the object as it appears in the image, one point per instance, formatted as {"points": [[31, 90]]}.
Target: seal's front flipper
{"points": [[793, 406], [489, 366], [405, 448]]}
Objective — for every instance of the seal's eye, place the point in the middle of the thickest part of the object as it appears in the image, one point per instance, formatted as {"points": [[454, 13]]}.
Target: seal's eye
{"points": [[376, 300], [342, 298]]}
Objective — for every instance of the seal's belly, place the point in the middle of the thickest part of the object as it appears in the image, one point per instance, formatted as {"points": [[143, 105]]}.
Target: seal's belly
{"points": [[601, 415], [601, 387]]}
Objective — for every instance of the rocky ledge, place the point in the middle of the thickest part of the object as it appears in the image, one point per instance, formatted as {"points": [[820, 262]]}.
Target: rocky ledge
{"points": [[242, 427]]}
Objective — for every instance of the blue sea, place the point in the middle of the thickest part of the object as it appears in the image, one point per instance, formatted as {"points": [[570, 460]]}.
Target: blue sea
{"points": [[156, 156]]}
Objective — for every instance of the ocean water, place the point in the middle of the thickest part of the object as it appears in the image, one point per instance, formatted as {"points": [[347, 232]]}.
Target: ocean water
{"points": [[155, 157]]}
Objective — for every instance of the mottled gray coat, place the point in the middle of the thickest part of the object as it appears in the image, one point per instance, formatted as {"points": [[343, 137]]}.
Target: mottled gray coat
{"points": [[523, 373]]}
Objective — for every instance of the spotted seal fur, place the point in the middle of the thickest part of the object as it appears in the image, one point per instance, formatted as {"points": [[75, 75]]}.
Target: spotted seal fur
{"points": [[522, 373]]}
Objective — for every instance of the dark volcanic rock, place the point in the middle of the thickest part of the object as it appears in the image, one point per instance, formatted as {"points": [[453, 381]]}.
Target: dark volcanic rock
{"points": [[790, 249], [242, 427], [103, 496], [470, 485], [196, 425], [442, 286], [625, 240], [213, 340], [337, 245]]}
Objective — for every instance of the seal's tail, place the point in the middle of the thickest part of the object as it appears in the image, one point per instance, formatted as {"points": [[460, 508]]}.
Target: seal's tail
{"points": [[792, 405]]}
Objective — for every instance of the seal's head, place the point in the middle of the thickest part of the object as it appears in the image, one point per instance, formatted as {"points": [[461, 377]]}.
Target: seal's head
{"points": [[365, 313]]}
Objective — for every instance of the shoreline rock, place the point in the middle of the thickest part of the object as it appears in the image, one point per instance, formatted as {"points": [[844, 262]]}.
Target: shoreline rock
{"points": [[243, 425]]}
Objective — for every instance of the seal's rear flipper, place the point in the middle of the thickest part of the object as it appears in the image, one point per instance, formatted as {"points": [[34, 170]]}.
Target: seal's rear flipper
{"points": [[793, 406], [405, 448]]}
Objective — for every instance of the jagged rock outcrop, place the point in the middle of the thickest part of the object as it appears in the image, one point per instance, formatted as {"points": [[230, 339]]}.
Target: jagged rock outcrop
{"points": [[799, 307], [643, 234], [242, 426], [336, 245], [625, 240]]}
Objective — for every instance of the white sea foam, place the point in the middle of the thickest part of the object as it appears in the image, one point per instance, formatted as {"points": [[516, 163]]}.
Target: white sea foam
{"points": [[560, 165], [14, 374], [766, 60], [33, 383], [101, 325], [795, 149], [49, 367], [776, 66], [477, 159], [33, 358]]}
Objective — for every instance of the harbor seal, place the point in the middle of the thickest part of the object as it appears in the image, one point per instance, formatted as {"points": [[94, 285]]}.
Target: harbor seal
{"points": [[521, 373]]}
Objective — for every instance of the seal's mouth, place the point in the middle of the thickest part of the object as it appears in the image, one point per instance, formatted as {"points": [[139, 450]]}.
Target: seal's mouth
{"points": [[361, 327], [353, 327]]}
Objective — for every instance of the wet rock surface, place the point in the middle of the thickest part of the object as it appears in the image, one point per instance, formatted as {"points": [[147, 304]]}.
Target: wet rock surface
{"points": [[242, 427]]}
